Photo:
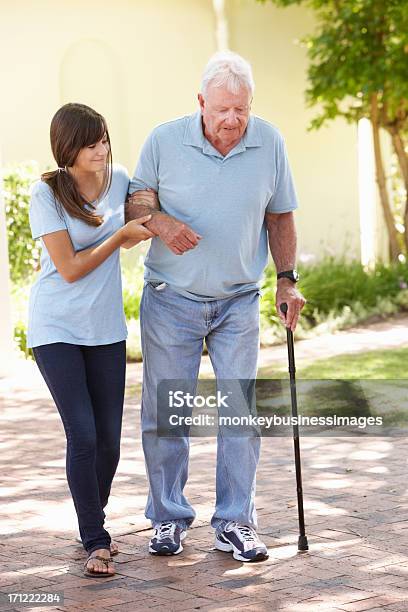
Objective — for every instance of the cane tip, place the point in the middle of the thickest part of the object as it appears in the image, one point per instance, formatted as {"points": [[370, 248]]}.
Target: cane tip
{"points": [[303, 545]]}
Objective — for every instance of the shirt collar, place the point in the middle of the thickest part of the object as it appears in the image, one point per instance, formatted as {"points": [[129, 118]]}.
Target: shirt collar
{"points": [[194, 137]]}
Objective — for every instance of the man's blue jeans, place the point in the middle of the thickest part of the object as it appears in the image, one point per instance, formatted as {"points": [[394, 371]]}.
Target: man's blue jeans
{"points": [[173, 329]]}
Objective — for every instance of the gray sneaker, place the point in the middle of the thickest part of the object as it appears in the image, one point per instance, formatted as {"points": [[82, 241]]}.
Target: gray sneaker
{"points": [[242, 541], [167, 539]]}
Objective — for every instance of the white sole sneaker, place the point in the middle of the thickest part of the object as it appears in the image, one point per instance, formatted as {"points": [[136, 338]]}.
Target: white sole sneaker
{"points": [[161, 553], [224, 547]]}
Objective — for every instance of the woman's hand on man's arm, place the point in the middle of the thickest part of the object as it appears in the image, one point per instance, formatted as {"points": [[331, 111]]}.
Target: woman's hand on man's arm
{"points": [[176, 235], [73, 265]]}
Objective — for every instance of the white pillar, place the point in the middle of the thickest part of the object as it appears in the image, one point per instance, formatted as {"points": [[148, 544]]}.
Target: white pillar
{"points": [[221, 32], [367, 193], [6, 328]]}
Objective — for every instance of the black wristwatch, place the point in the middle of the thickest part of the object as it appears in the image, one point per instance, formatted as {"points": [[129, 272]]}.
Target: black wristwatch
{"points": [[290, 274]]}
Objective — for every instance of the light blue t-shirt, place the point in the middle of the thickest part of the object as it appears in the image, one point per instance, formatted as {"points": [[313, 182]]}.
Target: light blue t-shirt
{"points": [[224, 199], [88, 311]]}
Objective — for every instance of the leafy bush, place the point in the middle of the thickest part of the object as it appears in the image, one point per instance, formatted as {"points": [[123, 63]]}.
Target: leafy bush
{"points": [[331, 284], [20, 292], [24, 253], [20, 338], [339, 293]]}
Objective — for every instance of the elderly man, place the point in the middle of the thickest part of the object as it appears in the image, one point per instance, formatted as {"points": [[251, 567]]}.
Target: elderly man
{"points": [[224, 187]]}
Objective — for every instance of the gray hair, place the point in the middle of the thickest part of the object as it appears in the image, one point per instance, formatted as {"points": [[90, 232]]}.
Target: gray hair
{"points": [[230, 69]]}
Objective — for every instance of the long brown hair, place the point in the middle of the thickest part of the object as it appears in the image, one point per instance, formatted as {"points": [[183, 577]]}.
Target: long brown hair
{"points": [[73, 127]]}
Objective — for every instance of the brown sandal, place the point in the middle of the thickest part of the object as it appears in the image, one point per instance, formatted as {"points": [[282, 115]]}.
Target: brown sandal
{"points": [[105, 560]]}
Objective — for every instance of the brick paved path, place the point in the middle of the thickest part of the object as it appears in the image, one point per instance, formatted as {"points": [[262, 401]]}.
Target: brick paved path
{"points": [[355, 504]]}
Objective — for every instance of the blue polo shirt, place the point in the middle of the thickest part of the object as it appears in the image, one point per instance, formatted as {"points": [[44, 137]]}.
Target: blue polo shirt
{"points": [[222, 198], [88, 311]]}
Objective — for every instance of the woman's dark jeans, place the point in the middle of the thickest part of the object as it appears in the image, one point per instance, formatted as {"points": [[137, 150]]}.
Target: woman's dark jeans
{"points": [[88, 384]]}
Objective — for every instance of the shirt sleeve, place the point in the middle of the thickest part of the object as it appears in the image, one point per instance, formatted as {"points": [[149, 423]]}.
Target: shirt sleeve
{"points": [[44, 215], [120, 172], [284, 197], [146, 175], [120, 186]]}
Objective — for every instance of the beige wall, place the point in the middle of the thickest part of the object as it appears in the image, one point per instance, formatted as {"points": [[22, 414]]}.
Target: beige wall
{"points": [[139, 63], [136, 61]]}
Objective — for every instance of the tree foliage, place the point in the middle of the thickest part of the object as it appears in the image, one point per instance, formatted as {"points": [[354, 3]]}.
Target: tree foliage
{"points": [[359, 68]]}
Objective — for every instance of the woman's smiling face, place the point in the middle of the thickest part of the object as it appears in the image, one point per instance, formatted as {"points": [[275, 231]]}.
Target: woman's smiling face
{"points": [[94, 157]]}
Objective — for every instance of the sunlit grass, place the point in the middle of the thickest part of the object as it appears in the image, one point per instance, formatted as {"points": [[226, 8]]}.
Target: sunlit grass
{"points": [[382, 364]]}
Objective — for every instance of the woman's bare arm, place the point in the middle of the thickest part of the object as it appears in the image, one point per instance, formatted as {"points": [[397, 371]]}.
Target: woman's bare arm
{"points": [[74, 265]]}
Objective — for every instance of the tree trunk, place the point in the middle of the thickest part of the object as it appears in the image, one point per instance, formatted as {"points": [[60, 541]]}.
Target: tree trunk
{"points": [[381, 182], [403, 162]]}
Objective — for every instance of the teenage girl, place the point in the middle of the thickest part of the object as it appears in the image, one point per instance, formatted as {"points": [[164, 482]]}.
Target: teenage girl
{"points": [[76, 325]]}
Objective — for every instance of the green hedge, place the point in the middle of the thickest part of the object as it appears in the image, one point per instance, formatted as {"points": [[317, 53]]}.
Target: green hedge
{"points": [[333, 284], [24, 253], [342, 292]]}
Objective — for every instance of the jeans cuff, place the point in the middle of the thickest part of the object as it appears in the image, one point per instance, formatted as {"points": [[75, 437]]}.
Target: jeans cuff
{"points": [[98, 547], [180, 522], [220, 526]]}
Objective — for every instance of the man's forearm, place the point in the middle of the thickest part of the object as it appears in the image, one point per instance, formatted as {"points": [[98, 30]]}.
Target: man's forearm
{"points": [[282, 243], [175, 234], [282, 240], [143, 203], [134, 211]]}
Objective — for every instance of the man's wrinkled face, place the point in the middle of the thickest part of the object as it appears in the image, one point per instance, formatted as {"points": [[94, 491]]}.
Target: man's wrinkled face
{"points": [[225, 114]]}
